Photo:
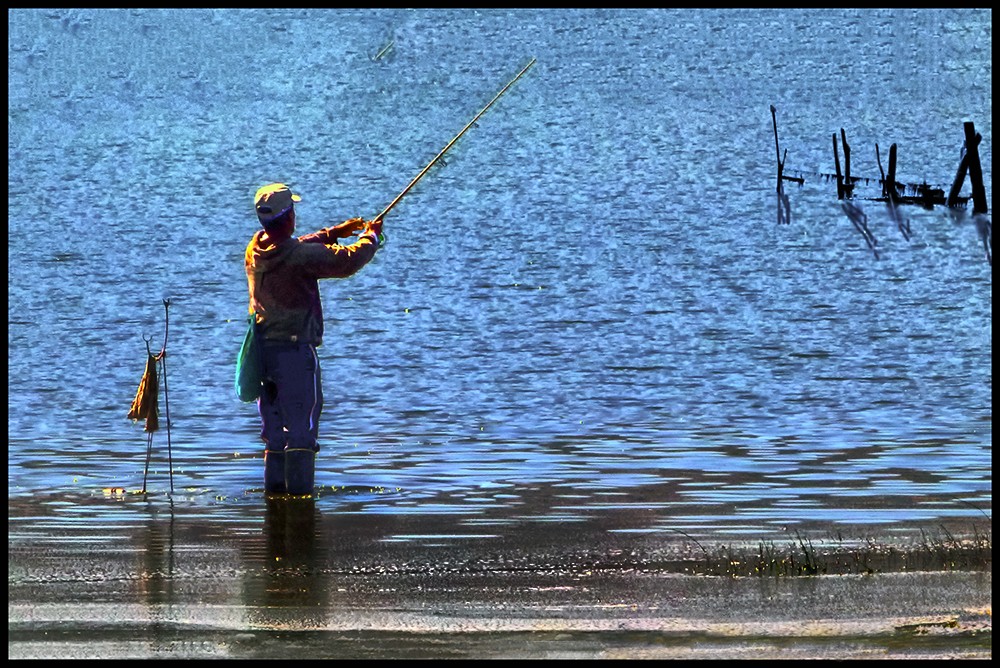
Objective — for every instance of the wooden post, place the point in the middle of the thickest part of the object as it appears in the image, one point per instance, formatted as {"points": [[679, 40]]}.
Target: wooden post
{"points": [[777, 151], [836, 161], [878, 159], [975, 170], [848, 183], [784, 208], [890, 186], [963, 167]]}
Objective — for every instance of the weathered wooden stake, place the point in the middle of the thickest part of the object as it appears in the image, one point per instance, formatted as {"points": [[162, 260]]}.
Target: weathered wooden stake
{"points": [[777, 151], [836, 162], [975, 170], [963, 167], [784, 207], [890, 186], [848, 181], [878, 159]]}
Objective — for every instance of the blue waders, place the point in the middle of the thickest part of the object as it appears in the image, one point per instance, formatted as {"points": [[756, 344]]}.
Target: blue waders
{"points": [[290, 404]]}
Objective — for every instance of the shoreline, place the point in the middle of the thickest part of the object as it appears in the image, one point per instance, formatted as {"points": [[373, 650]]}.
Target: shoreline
{"points": [[902, 616], [378, 586]]}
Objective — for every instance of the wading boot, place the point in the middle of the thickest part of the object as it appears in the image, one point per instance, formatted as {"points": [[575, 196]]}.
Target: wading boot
{"points": [[300, 471], [274, 472]]}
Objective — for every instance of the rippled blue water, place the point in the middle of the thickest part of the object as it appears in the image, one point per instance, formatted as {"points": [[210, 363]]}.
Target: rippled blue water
{"points": [[589, 311]]}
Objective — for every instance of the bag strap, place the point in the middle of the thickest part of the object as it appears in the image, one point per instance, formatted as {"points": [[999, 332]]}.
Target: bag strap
{"points": [[258, 343]]}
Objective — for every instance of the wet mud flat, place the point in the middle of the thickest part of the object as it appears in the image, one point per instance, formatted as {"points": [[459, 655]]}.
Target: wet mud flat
{"points": [[390, 587], [915, 615]]}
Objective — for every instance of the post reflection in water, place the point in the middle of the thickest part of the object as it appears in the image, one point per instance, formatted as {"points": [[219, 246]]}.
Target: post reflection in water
{"points": [[157, 560], [155, 585]]}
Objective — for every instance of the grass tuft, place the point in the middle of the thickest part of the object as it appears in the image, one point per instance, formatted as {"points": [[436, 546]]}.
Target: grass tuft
{"points": [[802, 556]]}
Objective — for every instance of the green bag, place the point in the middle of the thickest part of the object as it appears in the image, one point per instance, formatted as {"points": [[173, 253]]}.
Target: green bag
{"points": [[250, 364]]}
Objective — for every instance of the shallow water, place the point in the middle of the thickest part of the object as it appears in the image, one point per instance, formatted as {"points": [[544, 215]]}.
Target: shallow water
{"points": [[587, 315]]}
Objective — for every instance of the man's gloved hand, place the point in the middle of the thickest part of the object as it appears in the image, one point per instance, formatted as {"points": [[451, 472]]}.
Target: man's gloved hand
{"points": [[373, 230], [349, 228]]}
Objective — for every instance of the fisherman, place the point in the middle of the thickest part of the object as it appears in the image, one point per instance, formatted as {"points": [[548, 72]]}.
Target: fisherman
{"points": [[282, 274]]}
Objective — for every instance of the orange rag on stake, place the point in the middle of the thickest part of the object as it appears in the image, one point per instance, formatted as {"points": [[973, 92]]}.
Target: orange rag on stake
{"points": [[144, 406]]}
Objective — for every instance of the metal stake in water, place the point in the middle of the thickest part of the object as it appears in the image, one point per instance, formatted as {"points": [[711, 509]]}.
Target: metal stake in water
{"points": [[166, 394]]}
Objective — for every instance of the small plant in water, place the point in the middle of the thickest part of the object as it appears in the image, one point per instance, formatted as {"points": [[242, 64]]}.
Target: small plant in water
{"points": [[943, 552]]}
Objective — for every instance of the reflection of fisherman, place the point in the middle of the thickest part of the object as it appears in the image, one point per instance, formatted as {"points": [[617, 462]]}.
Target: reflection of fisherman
{"points": [[282, 273], [286, 584]]}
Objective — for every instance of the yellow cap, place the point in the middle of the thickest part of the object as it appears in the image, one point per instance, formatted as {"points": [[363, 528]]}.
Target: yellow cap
{"points": [[273, 200]]}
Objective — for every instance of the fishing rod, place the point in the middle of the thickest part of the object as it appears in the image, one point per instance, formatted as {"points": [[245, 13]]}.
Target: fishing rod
{"points": [[385, 50], [450, 144]]}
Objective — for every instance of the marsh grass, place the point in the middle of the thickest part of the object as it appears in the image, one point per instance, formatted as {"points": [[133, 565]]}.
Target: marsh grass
{"points": [[802, 555]]}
